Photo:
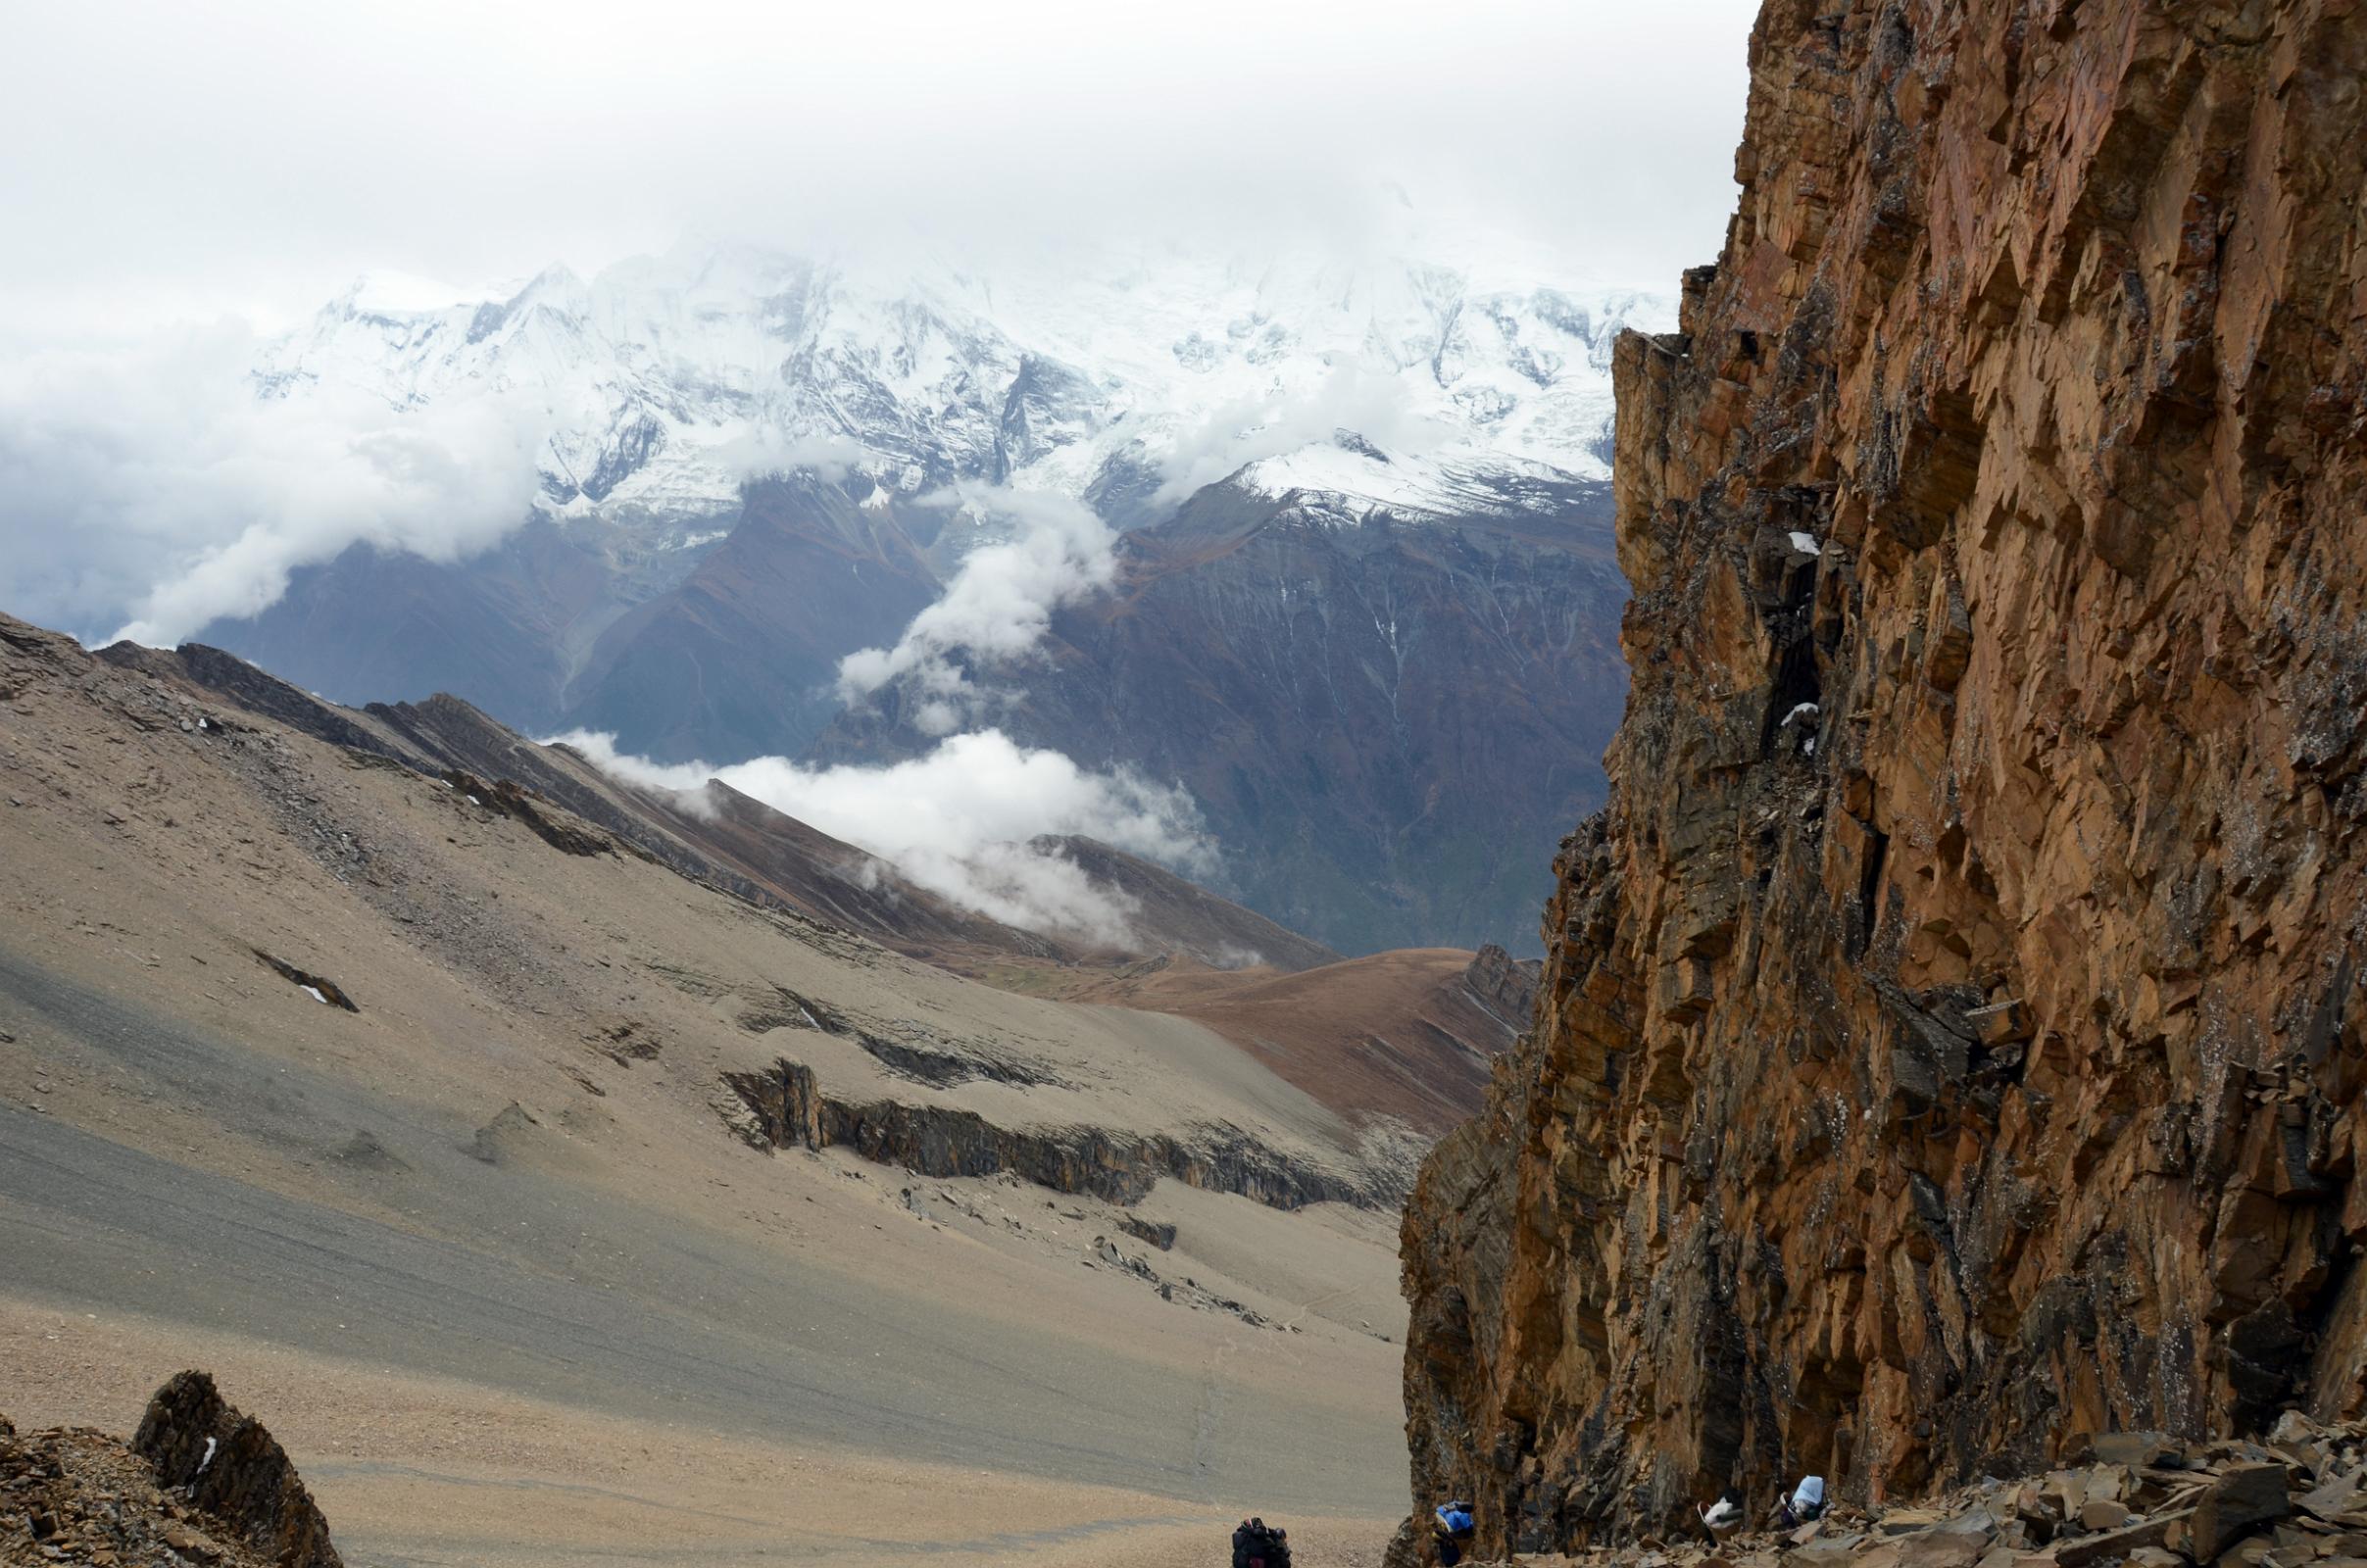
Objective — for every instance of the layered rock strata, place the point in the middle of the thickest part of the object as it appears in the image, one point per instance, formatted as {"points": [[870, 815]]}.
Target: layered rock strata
{"points": [[791, 1111], [1951, 1035]]}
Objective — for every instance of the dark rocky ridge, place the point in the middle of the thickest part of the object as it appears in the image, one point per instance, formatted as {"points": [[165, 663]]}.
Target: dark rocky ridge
{"points": [[724, 839], [199, 1482], [792, 1111], [227, 1464], [1951, 1039]]}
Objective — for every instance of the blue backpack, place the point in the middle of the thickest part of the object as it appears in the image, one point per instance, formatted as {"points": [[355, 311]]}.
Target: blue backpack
{"points": [[1453, 1530]]}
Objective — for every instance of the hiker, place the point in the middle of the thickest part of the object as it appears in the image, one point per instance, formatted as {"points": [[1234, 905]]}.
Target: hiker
{"points": [[1805, 1505], [1722, 1517], [1450, 1528], [1258, 1544]]}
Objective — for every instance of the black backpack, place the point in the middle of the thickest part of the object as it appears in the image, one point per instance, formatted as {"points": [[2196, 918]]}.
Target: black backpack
{"points": [[1258, 1544]]}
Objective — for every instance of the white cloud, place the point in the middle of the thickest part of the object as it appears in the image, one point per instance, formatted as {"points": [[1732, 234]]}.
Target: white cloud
{"points": [[959, 821], [1352, 398], [151, 179], [150, 476], [757, 452], [159, 159], [998, 607]]}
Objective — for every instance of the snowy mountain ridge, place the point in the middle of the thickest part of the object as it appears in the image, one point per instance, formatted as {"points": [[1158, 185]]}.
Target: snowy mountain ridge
{"points": [[1123, 380]]}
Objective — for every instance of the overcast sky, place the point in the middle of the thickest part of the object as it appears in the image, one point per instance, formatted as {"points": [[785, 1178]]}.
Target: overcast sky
{"points": [[172, 163]]}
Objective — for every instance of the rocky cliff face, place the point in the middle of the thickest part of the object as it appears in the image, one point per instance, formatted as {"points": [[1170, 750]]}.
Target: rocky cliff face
{"points": [[1951, 1035]]}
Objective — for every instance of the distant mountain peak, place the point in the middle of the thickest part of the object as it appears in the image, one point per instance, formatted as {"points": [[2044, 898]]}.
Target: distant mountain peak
{"points": [[657, 380]]}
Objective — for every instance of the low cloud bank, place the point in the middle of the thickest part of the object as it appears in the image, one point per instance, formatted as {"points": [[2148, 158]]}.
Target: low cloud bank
{"points": [[150, 476], [957, 821], [998, 607]]}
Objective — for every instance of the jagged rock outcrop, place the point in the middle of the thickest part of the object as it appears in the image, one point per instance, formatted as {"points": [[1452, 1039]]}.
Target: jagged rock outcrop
{"points": [[791, 1111], [1951, 1035], [1504, 985], [200, 1483], [227, 1464]]}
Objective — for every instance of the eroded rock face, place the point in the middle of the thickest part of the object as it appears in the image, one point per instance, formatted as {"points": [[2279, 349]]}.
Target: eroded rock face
{"points": [[790, 1110], [1504, 985], [1951, 1035], [234, 1471]]}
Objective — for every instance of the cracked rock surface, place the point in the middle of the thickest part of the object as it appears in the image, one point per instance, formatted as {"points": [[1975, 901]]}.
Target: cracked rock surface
{"points": [[1950, 1041]]}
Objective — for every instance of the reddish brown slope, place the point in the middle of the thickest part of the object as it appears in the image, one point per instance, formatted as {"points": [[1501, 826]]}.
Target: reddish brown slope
{"points": [[1407, 1034]]}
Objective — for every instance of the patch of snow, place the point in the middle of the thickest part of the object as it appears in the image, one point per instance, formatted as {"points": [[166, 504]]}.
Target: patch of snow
{"points": [[1805, 543], [1803, 713], [670, 380], [315, 993], [1454, 483]]}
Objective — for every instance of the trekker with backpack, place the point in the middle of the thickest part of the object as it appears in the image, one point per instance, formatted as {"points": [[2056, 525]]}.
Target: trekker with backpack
{"points": [[1258, 1544], [1805, 1505], [1450, 1528]]}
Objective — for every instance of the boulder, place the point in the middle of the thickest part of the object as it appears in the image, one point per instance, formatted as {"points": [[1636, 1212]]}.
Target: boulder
{"points": [[2102, 1513], [2244, 1497], [1940, 1549]]}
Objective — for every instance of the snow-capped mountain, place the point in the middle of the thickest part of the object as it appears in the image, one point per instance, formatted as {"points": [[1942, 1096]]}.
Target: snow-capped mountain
{"points": [[1127, 380], [1351, 586]]}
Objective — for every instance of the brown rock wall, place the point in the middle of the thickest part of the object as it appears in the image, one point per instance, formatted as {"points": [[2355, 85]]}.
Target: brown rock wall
{"points": [[1951, 1035]]}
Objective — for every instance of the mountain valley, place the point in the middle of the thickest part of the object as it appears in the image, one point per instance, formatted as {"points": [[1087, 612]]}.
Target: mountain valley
{"points": [[1008, 904], [386, 1049], [758, 466]]}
